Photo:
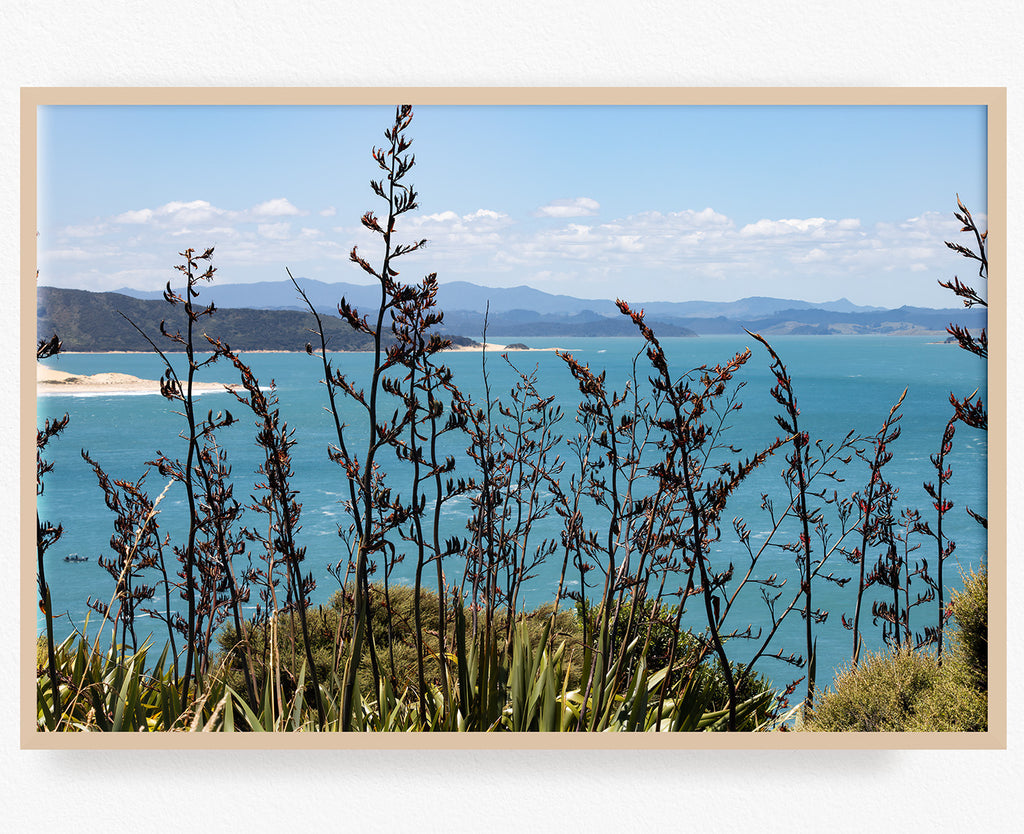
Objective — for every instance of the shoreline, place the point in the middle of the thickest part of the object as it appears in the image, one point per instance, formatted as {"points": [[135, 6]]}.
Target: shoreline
{"points": [[53, 381], [494, 346], [479, 346]]}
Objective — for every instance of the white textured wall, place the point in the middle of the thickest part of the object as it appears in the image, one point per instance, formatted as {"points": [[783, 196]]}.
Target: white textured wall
{"points": [[524, 43]]}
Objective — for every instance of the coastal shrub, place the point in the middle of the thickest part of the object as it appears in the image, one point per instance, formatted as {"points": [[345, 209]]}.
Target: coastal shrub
{"points": [[969, 608], [283, 632], [900, 691], [908, 691], [660, 642], [394, 636]]}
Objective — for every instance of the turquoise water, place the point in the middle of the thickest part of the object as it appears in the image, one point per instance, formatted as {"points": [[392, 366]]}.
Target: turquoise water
{"points": [[841, 383]]}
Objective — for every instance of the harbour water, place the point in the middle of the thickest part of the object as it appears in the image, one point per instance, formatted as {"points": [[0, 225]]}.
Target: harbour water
{"points": [[842, 383]]}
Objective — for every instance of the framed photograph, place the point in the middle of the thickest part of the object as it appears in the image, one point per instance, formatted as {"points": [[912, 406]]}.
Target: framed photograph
{"points": [[514, 418]]}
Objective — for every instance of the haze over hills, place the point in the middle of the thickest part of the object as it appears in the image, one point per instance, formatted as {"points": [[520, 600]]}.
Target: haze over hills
{"points": [[525, 311], [463, 295]]}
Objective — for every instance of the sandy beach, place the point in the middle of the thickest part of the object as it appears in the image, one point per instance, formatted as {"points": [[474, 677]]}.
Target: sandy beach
{"points": [[477, 347], [52, 381], [496, 348]]}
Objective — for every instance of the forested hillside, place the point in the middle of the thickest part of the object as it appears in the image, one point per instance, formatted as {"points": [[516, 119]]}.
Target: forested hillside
{"points": [[88, 321]]}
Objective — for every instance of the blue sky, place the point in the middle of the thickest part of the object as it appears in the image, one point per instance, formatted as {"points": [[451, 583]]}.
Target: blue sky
{"points": [[645, 203]]}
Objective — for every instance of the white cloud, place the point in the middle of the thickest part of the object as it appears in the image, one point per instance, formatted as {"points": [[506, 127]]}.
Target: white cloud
{"points": [[579, 207], [648, 238], [279, 207], [705, 217], [807, 256], [85, 230], [175, 213], [485, 214], [441, 217], [140, 216], [924, 227], [652, 249], [274, 231], [814, 256], [222, 232], [73, 254], [454, 235], [196, 211], [775, 228]]}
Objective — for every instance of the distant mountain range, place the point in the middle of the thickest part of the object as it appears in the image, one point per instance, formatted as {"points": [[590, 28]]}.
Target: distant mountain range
{"points": [[525, 311], [464, 296]]}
